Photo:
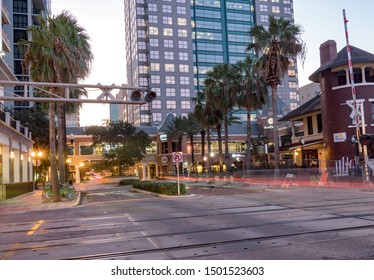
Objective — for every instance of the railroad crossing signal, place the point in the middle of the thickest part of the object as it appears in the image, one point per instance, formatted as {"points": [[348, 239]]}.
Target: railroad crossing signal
{"points": [[365, 139]]}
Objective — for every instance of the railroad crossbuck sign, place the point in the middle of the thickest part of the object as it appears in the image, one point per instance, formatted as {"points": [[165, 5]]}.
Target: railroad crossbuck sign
{"points": [[177, 156]]}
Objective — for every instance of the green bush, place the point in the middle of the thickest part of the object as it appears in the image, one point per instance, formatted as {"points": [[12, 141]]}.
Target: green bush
{"points": [[168, 188], [128, 181]]}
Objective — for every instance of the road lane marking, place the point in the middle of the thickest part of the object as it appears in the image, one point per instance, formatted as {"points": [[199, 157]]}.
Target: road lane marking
{"points": [[11, 251], [35, 227], [144, 233]]}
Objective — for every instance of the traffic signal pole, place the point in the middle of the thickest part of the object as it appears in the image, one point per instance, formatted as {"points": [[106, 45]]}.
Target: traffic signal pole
{"points": [[363, 148]]}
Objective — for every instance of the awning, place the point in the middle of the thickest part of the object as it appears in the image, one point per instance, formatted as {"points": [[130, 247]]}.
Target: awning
{"points": [[305, 145]]}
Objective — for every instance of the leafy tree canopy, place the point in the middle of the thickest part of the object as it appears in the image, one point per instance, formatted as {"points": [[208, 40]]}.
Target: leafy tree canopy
{"points": [[121, 141]]}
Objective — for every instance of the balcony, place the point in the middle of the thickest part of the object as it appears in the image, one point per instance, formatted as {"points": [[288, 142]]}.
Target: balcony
{"points": [[5, 14], [5, 41]]}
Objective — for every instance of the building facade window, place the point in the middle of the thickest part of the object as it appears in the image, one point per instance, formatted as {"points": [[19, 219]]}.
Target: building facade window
{"points": [[155, 66], [170, 91], [166, 9], [186, 105], [167, 20], [170, 80], [156, 117], [153, 30], [182, 44], [169, 67], [183, 56], [168, 44], [184, 80], [185, 92], [168, 32], [152, 19], [169, 55], [171, 104], [153, 42], [155, 79], [310, 125], [154, 55]]}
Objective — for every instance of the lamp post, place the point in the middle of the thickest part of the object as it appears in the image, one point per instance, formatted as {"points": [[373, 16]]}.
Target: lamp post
{"points": [[37, 156], [204, 163], [212, 158], [302, 142]]}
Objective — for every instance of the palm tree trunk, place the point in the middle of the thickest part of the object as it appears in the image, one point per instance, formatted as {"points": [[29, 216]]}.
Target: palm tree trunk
{"points": [[52, 153], [249, 135], [203, 148], [219, 139], [61, 143], [209, 148], [227, 155], [275, 127], [192, 154]]}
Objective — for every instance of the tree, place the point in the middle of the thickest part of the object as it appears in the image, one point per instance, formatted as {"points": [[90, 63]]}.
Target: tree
{"points": [[222, 88], [191, 129], [276, 45], [58, 52], [120, 142], [253, 95], [176, 129], [209, 117]]}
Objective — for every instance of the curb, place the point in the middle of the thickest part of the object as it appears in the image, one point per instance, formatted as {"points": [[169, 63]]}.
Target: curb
{"points": [[159, 194]]}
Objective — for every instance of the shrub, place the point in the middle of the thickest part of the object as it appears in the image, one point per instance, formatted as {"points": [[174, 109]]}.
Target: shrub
{"points": [[128, 181], [168, 188]]}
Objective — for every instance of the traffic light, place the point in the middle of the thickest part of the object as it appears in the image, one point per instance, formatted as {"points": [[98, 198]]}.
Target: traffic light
{"points": [[136, 95], [365, 139], [150, 96]]}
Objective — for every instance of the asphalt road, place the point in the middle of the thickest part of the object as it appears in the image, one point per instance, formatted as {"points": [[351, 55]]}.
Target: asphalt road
{"points": [[231, 222]]}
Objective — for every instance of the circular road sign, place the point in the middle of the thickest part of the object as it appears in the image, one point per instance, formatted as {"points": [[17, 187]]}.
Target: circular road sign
{"points": [[177, 156]]}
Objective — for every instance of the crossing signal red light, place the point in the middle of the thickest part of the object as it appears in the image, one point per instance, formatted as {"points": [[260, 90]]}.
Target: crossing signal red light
{"points": [[136, 95], [150, 96], [365, 139]]}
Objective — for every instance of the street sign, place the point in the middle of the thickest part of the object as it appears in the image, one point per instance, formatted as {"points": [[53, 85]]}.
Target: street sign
{"points": [[177, 156]]}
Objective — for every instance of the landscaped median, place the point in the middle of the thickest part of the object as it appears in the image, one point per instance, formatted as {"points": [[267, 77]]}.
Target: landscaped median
{"points": [[159, 187]]}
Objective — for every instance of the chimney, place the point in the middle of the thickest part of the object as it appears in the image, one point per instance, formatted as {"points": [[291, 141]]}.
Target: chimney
{"points": [[327, 51]]}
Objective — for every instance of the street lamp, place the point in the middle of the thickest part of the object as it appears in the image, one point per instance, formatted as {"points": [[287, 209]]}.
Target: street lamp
{"points": [[37, 156], [71, 138], [212, 159], [302, 142]]}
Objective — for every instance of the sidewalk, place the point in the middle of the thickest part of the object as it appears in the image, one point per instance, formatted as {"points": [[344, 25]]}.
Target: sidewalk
{"points": [[33, 202]]}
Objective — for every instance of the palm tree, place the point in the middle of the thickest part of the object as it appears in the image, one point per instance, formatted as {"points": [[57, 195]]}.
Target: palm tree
{"points": [[58, 52], [253, 95], [222, 88], [191, 129], [176, 129], [276, 45], [207, 118]]}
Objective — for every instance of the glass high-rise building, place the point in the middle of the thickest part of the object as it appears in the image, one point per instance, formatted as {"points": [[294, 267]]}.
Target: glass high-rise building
{"points": [[24, 14], [171, 44]]}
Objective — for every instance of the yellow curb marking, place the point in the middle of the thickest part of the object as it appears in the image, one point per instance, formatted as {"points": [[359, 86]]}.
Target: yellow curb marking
{"points": [[35, 227]]}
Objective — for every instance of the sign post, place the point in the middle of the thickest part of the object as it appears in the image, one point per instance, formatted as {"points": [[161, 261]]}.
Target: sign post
{"points": [[177, 158]]}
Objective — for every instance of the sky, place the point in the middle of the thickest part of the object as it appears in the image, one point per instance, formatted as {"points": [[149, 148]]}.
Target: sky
{"points": [[321, 20]]}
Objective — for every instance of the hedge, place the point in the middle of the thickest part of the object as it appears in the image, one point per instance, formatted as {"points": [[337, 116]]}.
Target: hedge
{"points": [[128, 181], [168, 188]]}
